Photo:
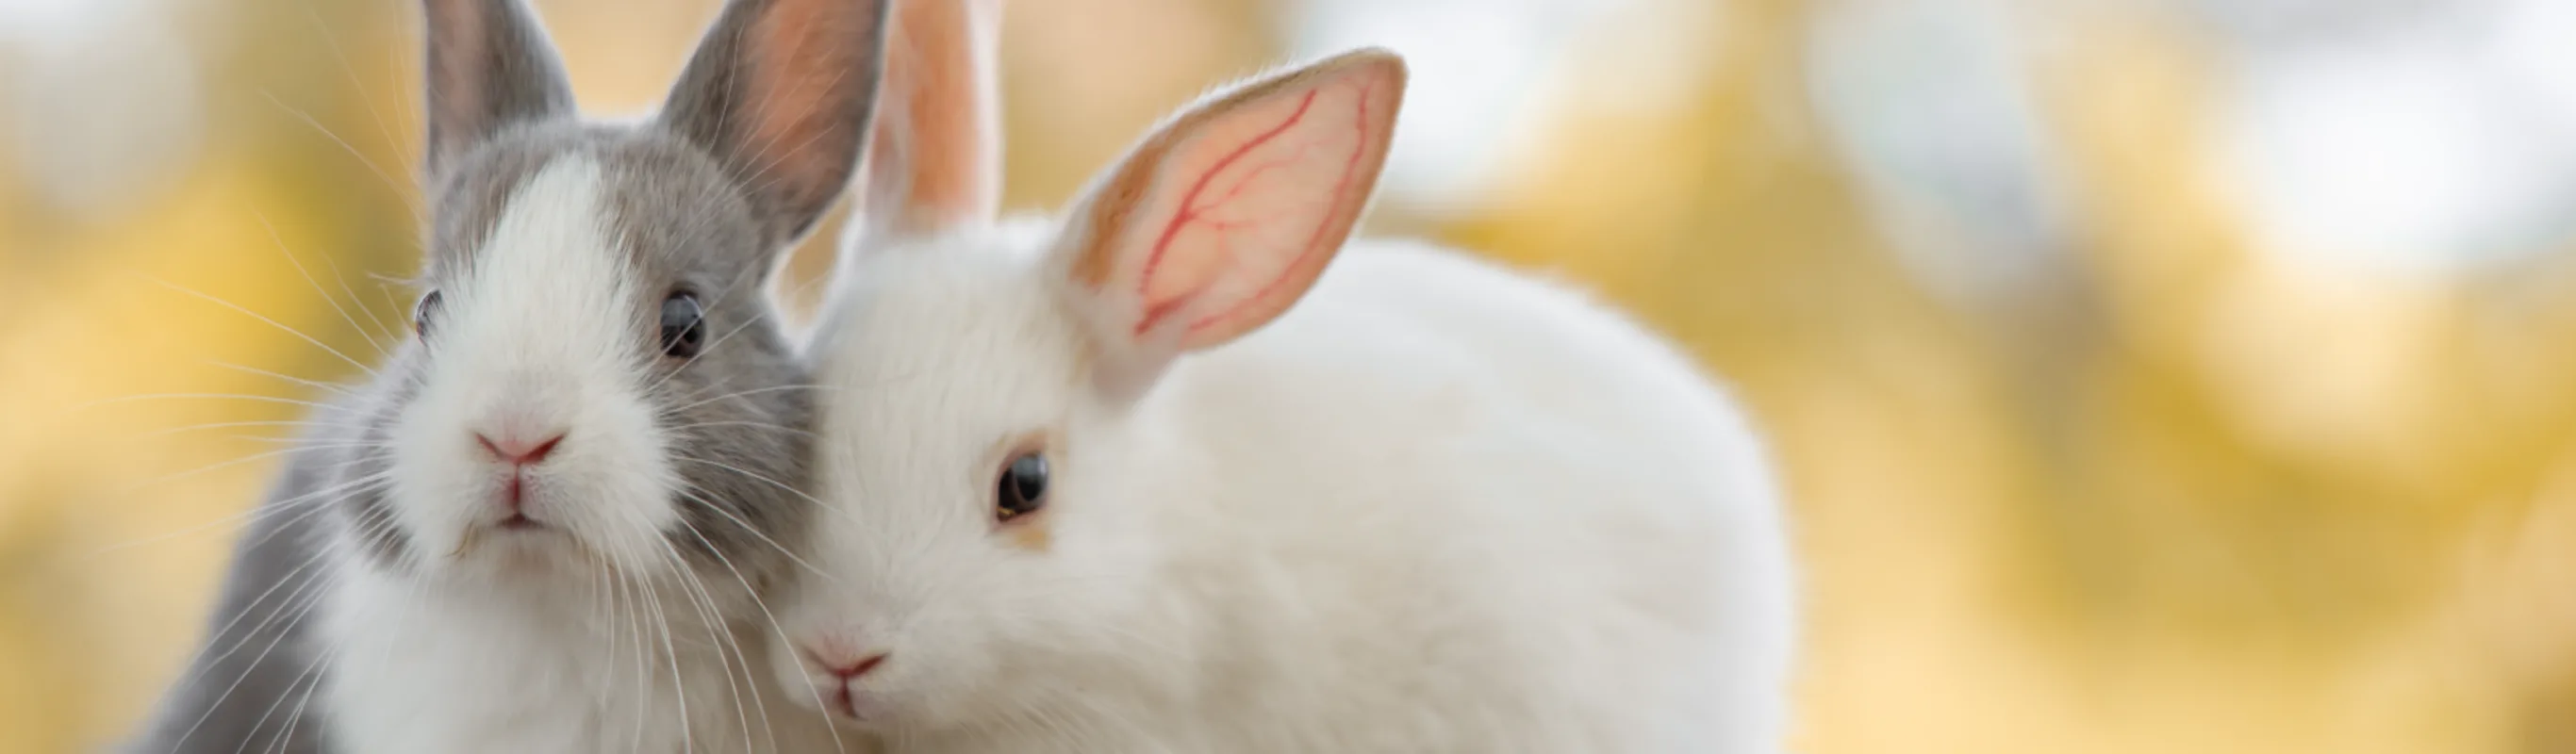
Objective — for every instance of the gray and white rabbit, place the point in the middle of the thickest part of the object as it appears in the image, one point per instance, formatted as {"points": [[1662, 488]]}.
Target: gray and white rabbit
{"points": [[1178, 472], [547, 524]]}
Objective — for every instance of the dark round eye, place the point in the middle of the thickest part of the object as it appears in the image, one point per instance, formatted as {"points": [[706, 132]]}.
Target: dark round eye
{"points": [[1023, 487], [683, 325], [421, 312]]}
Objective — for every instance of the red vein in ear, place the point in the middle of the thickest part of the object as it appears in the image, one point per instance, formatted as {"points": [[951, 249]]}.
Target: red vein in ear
{"points": [[1342, 186], [1189, 212]]}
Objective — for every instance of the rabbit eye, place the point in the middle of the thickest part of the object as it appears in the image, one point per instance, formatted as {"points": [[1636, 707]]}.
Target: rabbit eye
{"points": [[421, 312], [683, 325], [1022, 487]]}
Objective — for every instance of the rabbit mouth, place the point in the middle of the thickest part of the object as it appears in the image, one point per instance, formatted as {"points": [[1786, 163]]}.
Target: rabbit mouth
{"points": [[858, 706], [519, 537]]}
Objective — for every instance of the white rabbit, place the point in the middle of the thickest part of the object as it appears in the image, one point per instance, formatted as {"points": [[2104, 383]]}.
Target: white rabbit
{"points": [[1093, 485]]}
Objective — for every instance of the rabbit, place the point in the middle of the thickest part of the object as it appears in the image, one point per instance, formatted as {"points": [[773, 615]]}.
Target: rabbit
{"points": [[549, 522], [1175, 472]]}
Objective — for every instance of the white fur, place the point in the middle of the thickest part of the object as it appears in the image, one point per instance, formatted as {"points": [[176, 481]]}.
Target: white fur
{"points": [[1435, 507], [444, 667], [578, 639]]}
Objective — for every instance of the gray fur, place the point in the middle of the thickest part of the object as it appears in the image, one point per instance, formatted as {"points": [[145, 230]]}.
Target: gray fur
{"points": [[489, 67], [699, 207], [796, 159]]}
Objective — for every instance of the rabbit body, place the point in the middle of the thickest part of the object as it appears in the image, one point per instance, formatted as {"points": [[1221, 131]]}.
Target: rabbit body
{"points": [[1522, 522]]}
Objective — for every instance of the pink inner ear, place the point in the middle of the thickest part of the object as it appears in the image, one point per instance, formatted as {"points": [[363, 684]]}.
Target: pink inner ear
{"points": [[790, 40], [1271, 187], [934, 161]]}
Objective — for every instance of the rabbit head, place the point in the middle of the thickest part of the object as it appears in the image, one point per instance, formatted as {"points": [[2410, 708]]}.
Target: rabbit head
{"points": [[980, 431], [598, 379]]}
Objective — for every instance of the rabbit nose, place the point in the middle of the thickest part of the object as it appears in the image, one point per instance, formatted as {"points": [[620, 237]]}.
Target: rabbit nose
{"points": [[519, 450], [848, 670], [852, 671]]}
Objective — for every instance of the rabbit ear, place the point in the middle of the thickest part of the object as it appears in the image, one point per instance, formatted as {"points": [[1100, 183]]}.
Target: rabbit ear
{"points": [[936, 159], [1223, 218], [490, 66], [780, 92]]}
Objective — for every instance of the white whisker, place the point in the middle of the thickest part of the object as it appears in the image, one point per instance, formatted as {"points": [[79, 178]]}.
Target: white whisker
{"points": [[280, 241]]}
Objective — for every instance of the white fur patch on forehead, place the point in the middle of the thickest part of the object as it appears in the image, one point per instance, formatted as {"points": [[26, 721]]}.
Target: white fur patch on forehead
{"points": [[551, 282]]}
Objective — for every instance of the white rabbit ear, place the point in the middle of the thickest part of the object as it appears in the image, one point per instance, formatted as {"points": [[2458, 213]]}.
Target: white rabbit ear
{"points": [[935, 161], [1224, 217]]}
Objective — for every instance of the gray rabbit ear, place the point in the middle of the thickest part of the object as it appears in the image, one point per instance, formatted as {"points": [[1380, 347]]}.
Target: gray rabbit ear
{"points": [[490, 67], [781, 93]]}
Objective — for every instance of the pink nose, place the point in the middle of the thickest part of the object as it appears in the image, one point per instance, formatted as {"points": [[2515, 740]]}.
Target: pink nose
{"points": [[519, 451]]}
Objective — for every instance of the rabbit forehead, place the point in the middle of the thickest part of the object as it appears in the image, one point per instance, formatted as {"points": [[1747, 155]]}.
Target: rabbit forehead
{"points": [[665, 207], [548, 276], [935, 359]]}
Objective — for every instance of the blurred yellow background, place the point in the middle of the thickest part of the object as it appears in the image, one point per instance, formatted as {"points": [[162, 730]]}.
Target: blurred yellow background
{"points": [[2150, 376]]}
